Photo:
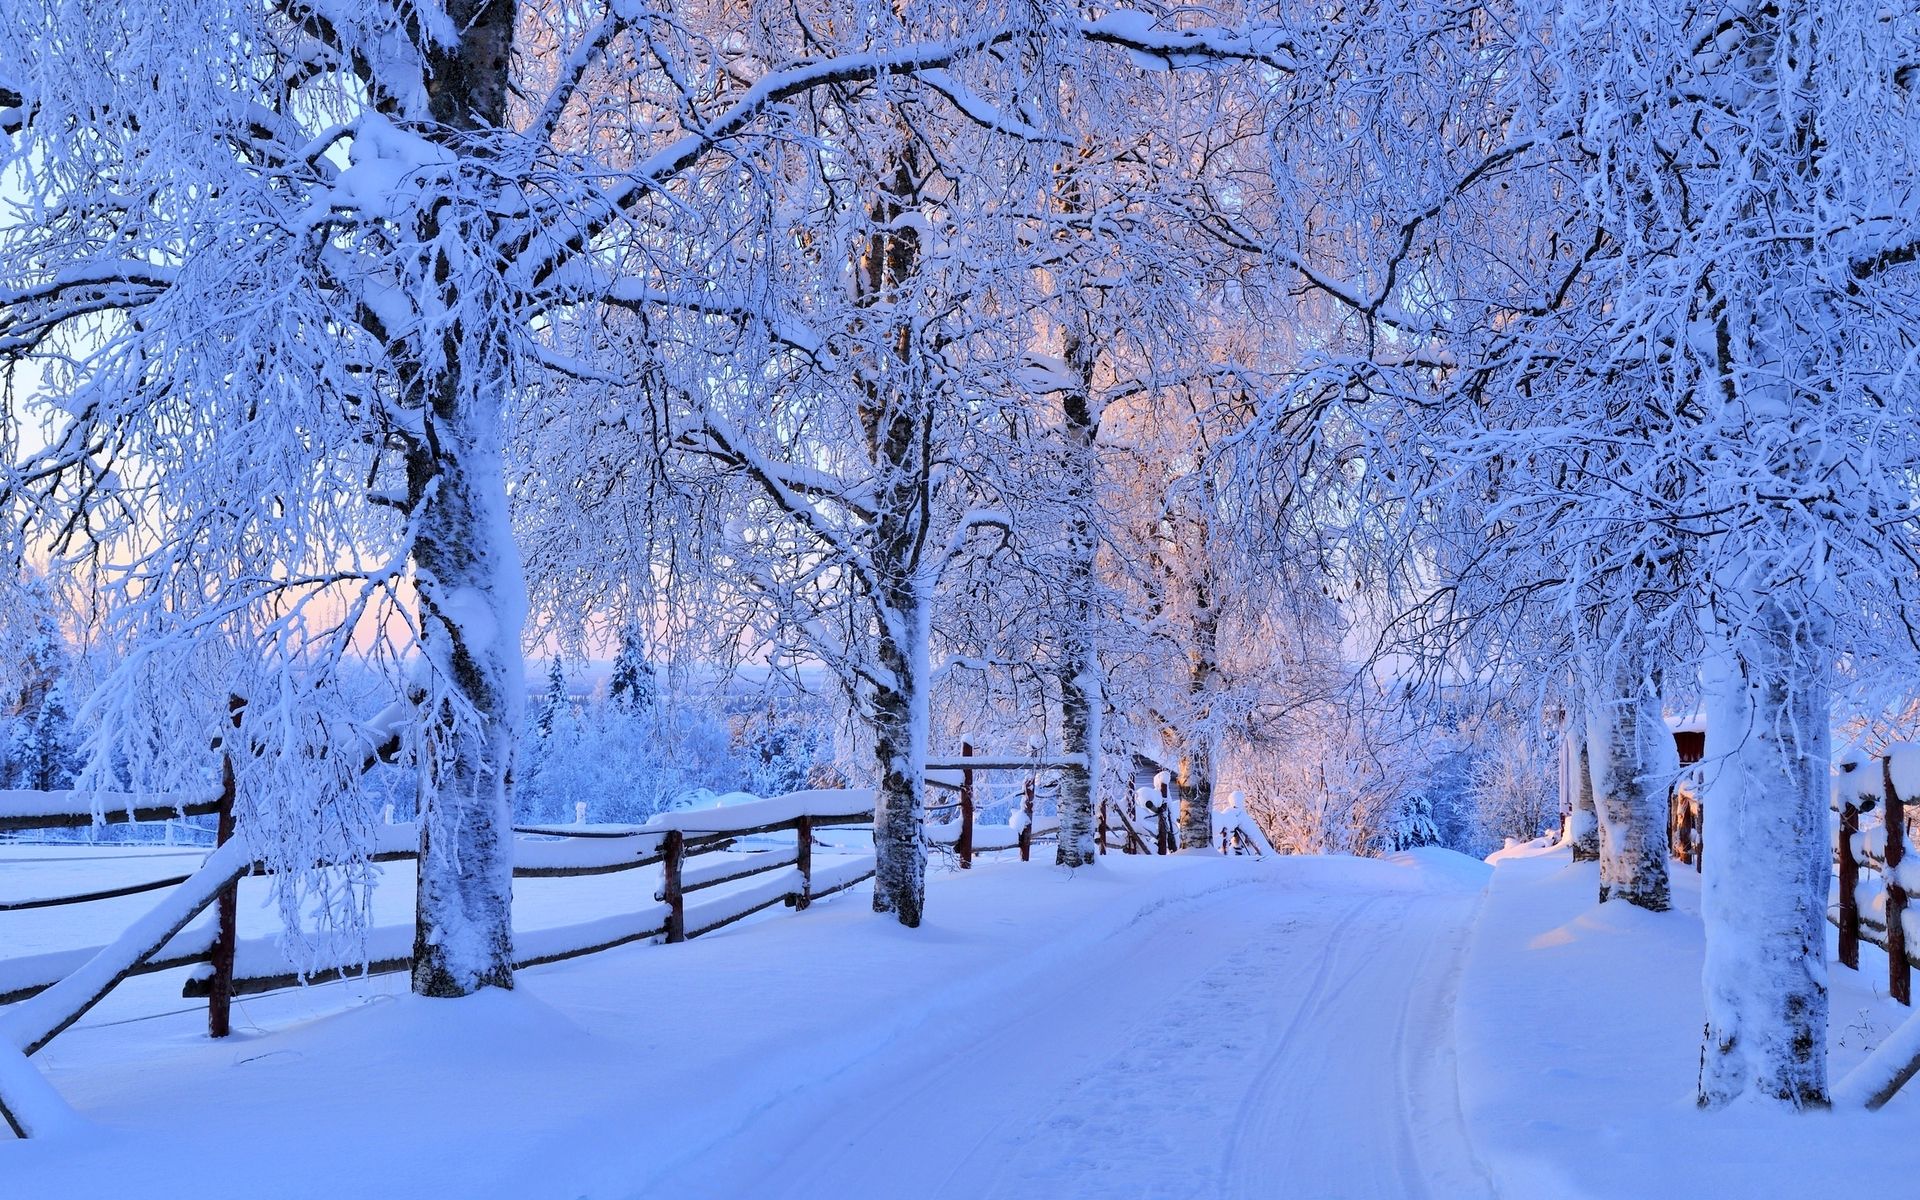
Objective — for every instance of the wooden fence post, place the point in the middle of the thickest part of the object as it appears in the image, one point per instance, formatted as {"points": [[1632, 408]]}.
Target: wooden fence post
{"points": [[964, 844], [676, 852], [1026, 831], [1899, 970], [227, 907], [1103, 826], [1849, 884], [803, 828]]}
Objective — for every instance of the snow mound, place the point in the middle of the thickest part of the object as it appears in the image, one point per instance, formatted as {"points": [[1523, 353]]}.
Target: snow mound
{"points": [[444, 1034], [1539, 847], [1446, 867]]}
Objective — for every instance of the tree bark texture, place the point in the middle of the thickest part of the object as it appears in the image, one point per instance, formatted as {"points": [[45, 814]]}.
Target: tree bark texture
{"points": [[1632, 762]]}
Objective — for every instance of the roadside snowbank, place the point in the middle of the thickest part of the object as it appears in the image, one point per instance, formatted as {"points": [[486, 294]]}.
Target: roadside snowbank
{"points": [[1579, 1047]]}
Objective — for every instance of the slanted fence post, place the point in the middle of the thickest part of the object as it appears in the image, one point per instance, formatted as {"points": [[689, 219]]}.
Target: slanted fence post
{"points": [[1026, 831], [1103, 826], [227, 907], [1899, 970], [803, 829], [675, 850], [1849, 871], [964, 844]]}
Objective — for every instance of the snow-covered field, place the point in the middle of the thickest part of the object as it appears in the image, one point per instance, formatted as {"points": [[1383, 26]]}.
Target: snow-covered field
{"points": [[1152, 1027]]}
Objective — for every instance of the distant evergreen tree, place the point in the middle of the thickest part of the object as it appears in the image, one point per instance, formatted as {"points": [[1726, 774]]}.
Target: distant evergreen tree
{"points": [[553, 702], [779, 747], [632, 688], [1414, 825], [38, 743]]}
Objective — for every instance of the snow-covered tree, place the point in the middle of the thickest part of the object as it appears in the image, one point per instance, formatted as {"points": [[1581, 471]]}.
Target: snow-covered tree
{"points": [[38, 741], [632, 687]]}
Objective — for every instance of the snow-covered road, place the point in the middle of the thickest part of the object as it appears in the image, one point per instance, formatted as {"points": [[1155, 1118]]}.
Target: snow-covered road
{"points": [[1263, 1041]]}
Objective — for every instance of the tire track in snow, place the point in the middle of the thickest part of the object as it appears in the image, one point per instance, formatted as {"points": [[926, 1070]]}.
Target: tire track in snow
{"points": [[1245, 1161], [1358, 1098], [1276, 1041]]}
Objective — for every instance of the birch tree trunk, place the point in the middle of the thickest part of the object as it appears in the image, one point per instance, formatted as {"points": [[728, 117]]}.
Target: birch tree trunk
{"points": [[467, 573], [1764, 887], [1583, 826], [472, 605], [1081, 698], [900, 719], [897, 418], [1196, 798], [1203, 669], [1632, 761]]}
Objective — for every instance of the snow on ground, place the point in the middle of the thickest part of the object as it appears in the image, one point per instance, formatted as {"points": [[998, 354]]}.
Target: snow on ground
{"points": [[1150, 1027], [1186, 1026], [1579, 1048]]}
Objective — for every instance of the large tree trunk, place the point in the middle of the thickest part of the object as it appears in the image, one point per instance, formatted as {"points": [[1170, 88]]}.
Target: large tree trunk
{"points": [[467, 573], [1080, 712], [1203, 671], [896, 418], [900, 720], [1081, 695], [1632, 763], [472, 600], [1196, 798], [1583, 825], [1764, 896], [1765, 883]]}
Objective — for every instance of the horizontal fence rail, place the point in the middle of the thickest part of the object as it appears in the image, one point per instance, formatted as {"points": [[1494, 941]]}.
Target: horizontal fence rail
{"points": [[76, 810]]}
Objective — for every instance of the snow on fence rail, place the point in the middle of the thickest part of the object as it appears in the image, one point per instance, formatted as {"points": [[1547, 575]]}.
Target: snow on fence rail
{"points": [[1871, 836], [72, 810]]}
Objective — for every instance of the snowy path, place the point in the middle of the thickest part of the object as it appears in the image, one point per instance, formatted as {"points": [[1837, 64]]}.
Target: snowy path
{"points": [[1319, 1064]]}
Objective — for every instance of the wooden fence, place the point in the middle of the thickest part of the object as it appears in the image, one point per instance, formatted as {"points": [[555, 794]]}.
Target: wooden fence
{"points": [[1122, 827], [46, 993], [1872, 837]]}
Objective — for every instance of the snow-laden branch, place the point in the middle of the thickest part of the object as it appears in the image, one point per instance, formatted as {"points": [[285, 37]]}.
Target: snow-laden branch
{"points": [[975, 519], [1170, 49], [983, 112], [793, 334], [788, 486], [574, 71]]}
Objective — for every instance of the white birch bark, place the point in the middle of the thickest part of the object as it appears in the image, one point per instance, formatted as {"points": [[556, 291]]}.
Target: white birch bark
{"points": [[900, 722], [472, 606], [1631, 762], [1082, 698], [1583, 825], [466, 568], [1765, 883]]}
